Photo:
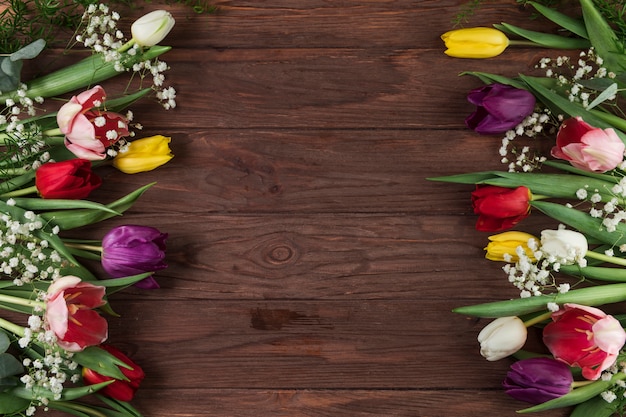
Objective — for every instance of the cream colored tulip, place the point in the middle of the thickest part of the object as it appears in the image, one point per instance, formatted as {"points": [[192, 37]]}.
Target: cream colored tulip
{"points": [[152, 28]]}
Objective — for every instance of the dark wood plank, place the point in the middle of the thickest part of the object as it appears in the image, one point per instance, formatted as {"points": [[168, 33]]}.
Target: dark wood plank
{"points": [[325, 257], [330, 403], [313, 267], [312, 171]]}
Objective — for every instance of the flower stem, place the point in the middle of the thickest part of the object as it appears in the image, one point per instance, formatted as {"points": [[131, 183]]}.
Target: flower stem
{"points": [[20, 192], [12, 327], [538, 319], [606, 258], [21, 301], [84, 246]]}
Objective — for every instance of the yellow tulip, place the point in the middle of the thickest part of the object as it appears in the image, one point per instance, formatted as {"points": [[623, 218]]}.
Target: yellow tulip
{"points": [[144, 155], [480, 42], [507, 243]]}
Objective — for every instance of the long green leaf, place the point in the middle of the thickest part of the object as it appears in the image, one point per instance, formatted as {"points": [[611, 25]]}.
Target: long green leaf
{"points": [[545, 39], [56, 204], [575, 26], [592, 296], [576, 396], [603, 38], [70, 219], [583, 222]]}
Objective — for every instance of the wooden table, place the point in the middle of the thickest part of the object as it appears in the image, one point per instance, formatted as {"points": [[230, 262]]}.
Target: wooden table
{"points": [[313, 267]]}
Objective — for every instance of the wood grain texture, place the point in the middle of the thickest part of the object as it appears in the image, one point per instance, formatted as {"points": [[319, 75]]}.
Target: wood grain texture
{"points": [[313, 266]]}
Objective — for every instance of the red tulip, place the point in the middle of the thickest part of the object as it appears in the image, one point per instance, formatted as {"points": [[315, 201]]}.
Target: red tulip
{"points": [[89, 131], [587, 147], [71, 179], [584, 337], [70, 315], [122, 390], [500, 208]]}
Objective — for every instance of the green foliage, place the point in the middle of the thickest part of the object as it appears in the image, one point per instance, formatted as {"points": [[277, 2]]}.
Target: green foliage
{"points": [[24, 21]]}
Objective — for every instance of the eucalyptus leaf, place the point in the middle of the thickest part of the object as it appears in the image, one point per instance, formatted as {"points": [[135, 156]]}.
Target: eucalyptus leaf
{"points": [[11, 404], [29, 51], [4, 341], [9, 365]]}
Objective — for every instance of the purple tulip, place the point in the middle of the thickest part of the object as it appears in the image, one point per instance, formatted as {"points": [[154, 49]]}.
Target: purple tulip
{"points": [[131, 250], [499, 108], [537, 380]]}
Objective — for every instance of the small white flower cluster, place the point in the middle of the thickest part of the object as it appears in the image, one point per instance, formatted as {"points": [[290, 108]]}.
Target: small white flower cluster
{"points": [[531, 126], [24, 258], [25, 147], [611, 212], [533, 275], [618, 390], [588, 65], [102, 36], [101, 33], [17, 106]]}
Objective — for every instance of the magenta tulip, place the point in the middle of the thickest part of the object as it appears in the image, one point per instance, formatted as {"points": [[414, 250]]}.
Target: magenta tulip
{"points": [[584, 337], [131, 250], [537, 380], [589, 148], [499, 108]]}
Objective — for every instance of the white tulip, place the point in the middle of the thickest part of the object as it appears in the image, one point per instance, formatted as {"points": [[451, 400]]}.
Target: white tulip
{"points": [[502, 337], [564, 246], [152, 28]]}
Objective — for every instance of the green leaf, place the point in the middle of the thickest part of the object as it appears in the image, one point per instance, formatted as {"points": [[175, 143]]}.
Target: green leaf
{"points": [[56, 204], [467, 178], [70, 219], [595, 272], [592, 296], [9, 365], [607, 94], [10, 404], [561, 105], [595, 407], [545, 39], [4, 341], [101, 361], [68, 394], [583, 222], [495, 78], [603, 38], [575, 26]]}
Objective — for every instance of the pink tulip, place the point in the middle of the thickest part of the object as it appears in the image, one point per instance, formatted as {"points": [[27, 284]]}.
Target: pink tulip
{"points": [[584, 337], [70, 315], [587, 147], [89, 131]]}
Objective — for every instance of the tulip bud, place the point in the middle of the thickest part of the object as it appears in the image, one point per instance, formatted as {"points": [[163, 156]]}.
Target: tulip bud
{"points": [[504, 246], [144, 155], [152, 28], [537, 380], [478, 42], [564, 246], [499, 108], [502, 337]]}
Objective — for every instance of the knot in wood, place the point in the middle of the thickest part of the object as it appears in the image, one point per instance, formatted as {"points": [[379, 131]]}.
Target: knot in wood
{"points": [[280, 252]]}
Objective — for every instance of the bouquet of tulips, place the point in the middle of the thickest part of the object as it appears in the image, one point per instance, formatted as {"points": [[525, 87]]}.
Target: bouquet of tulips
{"points": [[53, 333], [569, 275]]}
